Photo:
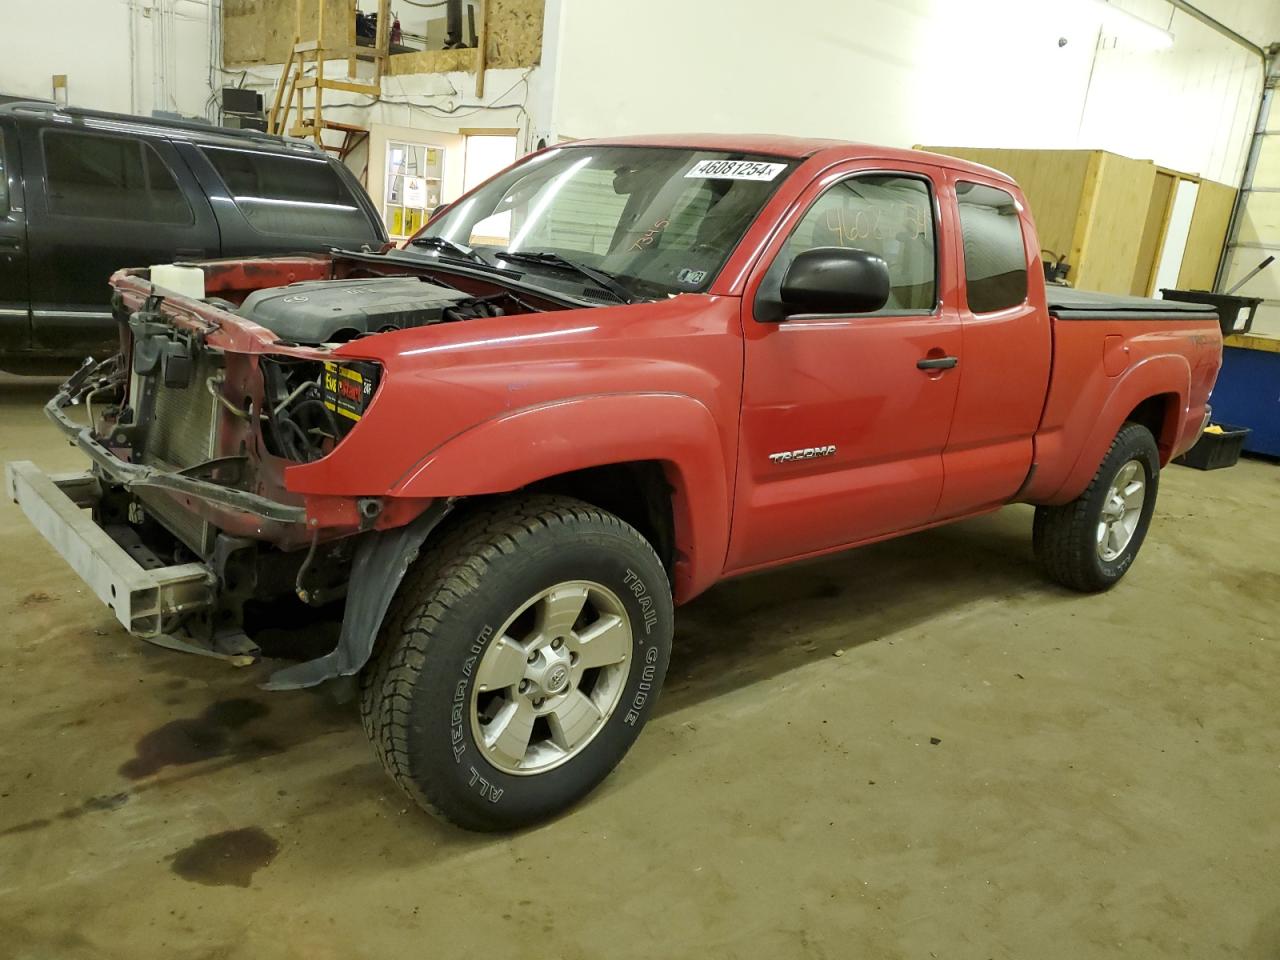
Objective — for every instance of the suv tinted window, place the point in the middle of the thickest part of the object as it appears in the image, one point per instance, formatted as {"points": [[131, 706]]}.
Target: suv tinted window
{"points": [[4, 181], [890, 216], [110, 178], [288, 195], [995, 260]]}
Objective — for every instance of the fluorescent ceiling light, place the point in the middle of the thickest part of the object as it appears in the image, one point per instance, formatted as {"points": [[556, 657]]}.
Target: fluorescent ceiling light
{"points": [[1130, 26]]}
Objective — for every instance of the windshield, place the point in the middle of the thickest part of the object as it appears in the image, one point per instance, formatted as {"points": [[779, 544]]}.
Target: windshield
{"points": [[657, 221]]}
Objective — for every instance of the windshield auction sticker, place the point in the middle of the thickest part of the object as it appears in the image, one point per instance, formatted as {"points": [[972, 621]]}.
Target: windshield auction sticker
{"points": [[735, 170]]}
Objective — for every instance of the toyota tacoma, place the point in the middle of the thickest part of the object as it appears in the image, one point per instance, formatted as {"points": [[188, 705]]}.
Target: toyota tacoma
{"points": [[612, 375]]}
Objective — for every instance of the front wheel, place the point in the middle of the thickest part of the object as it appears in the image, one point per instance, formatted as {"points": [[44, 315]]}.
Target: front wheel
{"points": [[1089, 543], [520, 661]]}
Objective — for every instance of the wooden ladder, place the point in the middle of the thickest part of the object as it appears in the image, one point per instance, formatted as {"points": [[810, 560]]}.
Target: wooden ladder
{"points": [[291, 102]]}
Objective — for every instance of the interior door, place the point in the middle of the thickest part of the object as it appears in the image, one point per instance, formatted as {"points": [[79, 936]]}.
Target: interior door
{"points": [[109, 200], [15, 316], [842, 427]]}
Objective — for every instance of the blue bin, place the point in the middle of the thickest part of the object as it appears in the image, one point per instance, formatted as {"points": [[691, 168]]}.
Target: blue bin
{"points": [[1248, 392]]}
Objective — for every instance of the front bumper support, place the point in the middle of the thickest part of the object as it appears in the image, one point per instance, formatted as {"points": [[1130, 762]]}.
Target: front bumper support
{"points": [[130, 475], [143, 600]]}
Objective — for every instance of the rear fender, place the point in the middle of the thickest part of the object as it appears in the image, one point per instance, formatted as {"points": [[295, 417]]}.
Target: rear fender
{"points": [[1166, 374], [543, 441]]}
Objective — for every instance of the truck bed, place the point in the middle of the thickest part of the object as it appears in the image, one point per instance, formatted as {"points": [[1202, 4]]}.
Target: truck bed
{"points": [[1066, 303]]}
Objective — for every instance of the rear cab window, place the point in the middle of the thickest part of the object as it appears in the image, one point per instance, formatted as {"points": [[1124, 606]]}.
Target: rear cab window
{"points": [[110, 178], [288, 195], [995, 257]]}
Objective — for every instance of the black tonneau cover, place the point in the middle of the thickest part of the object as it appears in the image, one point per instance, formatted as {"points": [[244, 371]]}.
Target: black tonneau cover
{"points": [[1066, 303]]}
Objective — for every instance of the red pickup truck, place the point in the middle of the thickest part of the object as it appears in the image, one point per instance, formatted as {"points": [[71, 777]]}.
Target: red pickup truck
{"points": [[612, 375]]}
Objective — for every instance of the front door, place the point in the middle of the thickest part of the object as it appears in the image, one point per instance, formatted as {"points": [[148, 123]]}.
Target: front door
{"points": [[15, 317], [843, 428]]}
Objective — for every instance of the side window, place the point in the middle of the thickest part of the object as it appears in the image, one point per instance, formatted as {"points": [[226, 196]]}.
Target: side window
{"points": [[110, 178], [4, 181], [289, 195], [995, 260], [888, 215]]}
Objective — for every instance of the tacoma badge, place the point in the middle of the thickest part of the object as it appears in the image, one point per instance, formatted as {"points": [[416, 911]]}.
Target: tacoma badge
{"points": [[808, 453]]}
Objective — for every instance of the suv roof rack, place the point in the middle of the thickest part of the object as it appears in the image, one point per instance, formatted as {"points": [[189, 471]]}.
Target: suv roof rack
{"points": [[180, 129]]}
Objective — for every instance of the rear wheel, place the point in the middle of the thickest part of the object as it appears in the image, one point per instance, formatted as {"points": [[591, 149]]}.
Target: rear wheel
{"points": [[1089, 543], [519, 662]]}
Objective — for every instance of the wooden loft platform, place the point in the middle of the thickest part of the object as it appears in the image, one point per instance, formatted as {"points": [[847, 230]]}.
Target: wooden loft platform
{"points": [[262, 32], [292, 112], [323, 31]]}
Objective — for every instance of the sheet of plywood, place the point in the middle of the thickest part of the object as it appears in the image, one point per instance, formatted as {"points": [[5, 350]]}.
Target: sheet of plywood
{"points": [[1052, 181], [515, 33], [1110, 222], [1208, 233], [514, 40], [262, 31], [1144, 268], [432, 61]]}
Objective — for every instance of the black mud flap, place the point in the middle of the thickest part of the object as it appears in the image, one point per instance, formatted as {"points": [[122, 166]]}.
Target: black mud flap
{"points": [[381, 561]]}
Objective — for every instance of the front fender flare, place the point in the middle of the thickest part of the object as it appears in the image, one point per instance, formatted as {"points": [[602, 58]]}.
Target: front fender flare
{"points": [[524, 446]]}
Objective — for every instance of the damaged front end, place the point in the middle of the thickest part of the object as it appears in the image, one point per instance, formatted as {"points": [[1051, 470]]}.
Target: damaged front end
{"points": [[184, 520]]}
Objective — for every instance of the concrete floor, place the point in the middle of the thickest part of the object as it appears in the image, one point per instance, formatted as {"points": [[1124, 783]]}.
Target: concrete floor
{"points": [[920, 749]]}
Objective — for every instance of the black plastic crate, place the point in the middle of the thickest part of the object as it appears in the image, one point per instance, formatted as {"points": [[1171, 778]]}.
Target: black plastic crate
{"points": [[1235, 314], [1213, 451]]}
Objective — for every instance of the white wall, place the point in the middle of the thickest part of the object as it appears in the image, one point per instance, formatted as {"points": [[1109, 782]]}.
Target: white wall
{"points": [[979, 73], [1190, 108], [125, 55]]}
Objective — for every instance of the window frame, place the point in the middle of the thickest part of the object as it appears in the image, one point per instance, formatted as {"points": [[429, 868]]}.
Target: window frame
{"points": [[963, 272], [931, 188], [141, 143]]}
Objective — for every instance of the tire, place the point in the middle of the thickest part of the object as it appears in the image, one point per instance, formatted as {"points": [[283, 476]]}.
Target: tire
{"points": [[1083, 544], [472, 615]]}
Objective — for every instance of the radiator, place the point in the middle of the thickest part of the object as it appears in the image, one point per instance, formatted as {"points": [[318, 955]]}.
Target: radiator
{"points": [[184, 432]]}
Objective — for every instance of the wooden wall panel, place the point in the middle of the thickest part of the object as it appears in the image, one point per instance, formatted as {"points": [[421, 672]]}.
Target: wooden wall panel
{"points": [[1052, 180], [262, 31], [1144, 267], [515, 33], [431, 61], [1208, 234], [1110, 224]]}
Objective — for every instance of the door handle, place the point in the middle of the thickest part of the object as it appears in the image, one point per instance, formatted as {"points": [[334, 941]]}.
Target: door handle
{"points": [[937, 363], [10, 243]]}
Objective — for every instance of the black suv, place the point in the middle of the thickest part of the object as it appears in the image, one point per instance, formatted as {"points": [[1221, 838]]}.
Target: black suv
{"points": [[84, 193]]}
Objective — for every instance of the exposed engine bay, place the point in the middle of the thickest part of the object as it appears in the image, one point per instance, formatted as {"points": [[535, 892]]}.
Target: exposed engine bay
{"points": [[335, 311]]}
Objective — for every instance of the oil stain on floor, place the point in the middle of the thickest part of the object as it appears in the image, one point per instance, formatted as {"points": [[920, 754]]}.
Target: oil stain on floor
{"points": [[226, 859], [212, 734], [98, 804]]}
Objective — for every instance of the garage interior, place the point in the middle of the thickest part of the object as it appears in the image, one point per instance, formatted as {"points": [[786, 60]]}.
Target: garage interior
{"points": [[917, 748]]}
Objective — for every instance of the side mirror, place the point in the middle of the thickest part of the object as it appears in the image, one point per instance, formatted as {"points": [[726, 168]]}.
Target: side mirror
{"points": [[835, 280]]}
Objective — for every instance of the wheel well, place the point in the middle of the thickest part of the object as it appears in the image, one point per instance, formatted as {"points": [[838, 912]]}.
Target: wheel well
{"points": [[1159, 414], [637, 492]]}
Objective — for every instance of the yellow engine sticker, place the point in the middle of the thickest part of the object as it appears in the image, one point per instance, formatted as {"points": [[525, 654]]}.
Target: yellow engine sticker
{"points": [[346, 391]]}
